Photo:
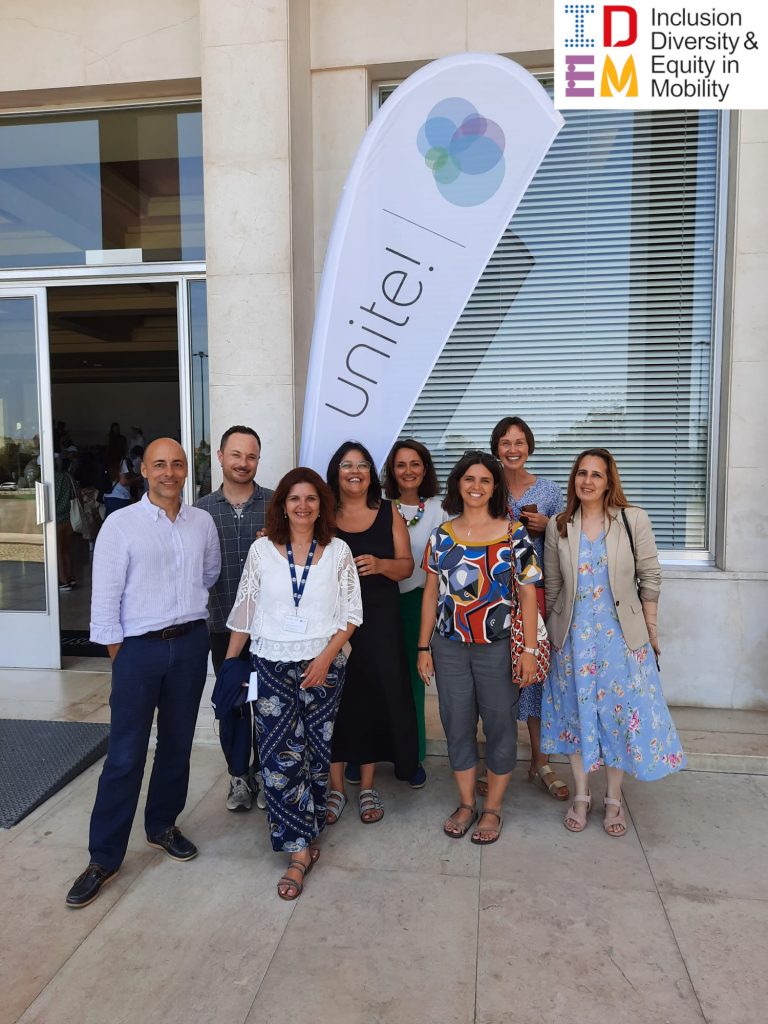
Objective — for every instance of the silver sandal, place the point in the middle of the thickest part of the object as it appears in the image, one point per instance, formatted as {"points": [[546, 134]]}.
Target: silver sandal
{"points": [[335, 803], [370, 802]]}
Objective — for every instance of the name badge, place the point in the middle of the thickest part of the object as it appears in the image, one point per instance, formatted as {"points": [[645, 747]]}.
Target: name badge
{"points": [[295, 624], [253, 687]]}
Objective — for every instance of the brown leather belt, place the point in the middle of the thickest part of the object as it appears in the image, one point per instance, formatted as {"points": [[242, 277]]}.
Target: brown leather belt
{"points": [[171, 632]]}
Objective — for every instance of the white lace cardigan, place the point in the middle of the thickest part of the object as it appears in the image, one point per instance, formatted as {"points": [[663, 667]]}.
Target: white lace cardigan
{"points": [[331, 600]]}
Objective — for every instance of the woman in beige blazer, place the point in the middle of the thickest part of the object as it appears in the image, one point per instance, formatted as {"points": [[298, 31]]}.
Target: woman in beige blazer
{"points": [[603, 703]]}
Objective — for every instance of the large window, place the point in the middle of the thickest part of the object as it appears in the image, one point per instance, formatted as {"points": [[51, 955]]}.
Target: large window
{"points": [[594, 319], [79, 183]]}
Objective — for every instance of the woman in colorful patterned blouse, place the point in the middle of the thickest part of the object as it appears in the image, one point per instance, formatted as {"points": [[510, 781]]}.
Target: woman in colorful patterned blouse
{"points": [[532, 500], [464, 638]]}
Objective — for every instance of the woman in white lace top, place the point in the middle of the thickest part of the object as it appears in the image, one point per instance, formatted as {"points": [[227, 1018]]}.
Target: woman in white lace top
{"points": [[299, 600]]}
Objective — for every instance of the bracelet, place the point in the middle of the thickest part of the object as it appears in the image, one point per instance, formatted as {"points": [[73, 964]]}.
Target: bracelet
{"points": [[424, 650], [531, 650]]}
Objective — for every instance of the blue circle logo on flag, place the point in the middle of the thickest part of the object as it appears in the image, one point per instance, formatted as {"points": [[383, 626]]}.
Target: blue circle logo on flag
{"points": [[464, 151]]}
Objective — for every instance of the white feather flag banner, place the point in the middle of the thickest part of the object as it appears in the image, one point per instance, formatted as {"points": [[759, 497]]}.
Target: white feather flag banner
{"points": [[434, 184]]}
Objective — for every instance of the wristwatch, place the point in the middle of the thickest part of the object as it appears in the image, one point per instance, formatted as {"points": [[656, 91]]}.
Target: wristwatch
{"points": [[531, 650], [424, 650]]}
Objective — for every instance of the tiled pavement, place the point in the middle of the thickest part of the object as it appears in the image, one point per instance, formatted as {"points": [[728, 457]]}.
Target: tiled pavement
{"points": [[398, 923]]}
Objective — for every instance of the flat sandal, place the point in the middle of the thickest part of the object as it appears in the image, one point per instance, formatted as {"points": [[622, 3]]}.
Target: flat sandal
{"points": [[541, 777], [296, 888], [369, 802], [573, 814], [335, 803], [463, 827], [617, 819], [494, 832]]}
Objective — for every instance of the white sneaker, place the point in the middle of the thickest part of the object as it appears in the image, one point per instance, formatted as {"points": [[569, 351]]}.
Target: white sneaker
{"points": [[261, 800], [240, 797]]}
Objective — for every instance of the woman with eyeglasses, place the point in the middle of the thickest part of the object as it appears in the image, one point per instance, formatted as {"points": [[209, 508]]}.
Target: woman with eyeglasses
{"points": [[532, 500], [377, 718], [603, 702], [464, 638]]}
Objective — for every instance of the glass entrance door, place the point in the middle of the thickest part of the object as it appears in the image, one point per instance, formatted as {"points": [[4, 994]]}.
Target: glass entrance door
{"points": [[29, 607]]}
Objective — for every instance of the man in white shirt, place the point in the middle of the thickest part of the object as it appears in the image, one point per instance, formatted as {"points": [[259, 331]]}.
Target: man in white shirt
{"points": [[153, 565]]}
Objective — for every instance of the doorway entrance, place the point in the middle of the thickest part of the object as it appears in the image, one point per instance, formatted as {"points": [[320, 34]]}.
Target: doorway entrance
{"points": [[90, 371], [114, 358]]}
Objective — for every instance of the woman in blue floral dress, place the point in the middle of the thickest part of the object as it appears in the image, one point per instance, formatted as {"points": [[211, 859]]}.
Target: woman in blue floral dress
{"points": [[603, 701], [532, 500]]}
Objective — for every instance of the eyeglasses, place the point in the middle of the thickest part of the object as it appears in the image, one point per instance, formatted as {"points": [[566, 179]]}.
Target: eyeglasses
{"points": [[361, 467]]}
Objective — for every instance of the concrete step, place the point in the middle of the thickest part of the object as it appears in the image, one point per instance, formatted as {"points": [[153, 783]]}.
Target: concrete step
{"points": [[714, 739]]}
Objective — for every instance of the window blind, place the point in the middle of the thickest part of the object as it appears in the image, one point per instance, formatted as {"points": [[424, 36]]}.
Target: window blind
{"points": [[594, 317]]}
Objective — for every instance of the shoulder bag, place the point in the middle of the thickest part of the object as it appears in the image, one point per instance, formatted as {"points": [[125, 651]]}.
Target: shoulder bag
{"points": [[75, 508], [632, 547]]}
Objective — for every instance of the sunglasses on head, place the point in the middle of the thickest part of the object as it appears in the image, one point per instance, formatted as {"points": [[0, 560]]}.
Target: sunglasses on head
{"points": [[473, 453]]}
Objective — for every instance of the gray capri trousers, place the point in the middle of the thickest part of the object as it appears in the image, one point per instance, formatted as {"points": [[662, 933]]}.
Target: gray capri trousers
{"points": [[472, 679]]}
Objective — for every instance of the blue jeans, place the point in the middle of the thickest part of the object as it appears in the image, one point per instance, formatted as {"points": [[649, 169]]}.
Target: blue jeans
{"points": [[148, 674]]}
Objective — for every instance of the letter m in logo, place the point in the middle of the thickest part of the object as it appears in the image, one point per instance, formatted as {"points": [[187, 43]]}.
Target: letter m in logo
{"points": [[612, 83]]}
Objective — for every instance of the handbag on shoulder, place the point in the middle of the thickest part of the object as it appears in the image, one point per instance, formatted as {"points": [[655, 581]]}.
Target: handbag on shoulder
{"points": [[75, 508], [517, 636]]}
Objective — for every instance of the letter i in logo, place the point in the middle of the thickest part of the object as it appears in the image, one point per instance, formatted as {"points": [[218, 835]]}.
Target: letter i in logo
{"points": [[579, 67]]}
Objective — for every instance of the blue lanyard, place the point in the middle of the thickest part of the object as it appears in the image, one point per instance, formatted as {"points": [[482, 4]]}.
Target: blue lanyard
{"points": [[298, 588]]}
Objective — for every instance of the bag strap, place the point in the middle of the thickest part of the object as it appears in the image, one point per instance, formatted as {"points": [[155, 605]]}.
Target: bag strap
{"points": [[632, 546]]}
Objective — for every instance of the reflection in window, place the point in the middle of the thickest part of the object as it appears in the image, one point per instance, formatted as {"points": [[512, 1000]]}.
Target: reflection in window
{"points": [[22, 542], [112, 179], [201, 421]]}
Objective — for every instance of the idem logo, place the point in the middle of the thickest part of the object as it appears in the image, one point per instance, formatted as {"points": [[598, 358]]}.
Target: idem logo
{"points": [[619, 29]]}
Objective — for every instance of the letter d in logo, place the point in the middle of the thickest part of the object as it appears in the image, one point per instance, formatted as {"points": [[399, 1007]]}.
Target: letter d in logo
{"points": [[608, 13]]}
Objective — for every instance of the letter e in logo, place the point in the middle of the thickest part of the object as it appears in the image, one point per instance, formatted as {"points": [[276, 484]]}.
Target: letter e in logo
{"points": [[608, 13]]}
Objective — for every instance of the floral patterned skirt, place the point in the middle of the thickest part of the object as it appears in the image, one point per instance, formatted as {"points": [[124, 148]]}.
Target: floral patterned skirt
{"points": [[614, 714], [601, 699]]}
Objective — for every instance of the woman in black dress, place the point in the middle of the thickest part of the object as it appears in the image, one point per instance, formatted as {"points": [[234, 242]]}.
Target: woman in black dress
{"points": [[376, 720]]}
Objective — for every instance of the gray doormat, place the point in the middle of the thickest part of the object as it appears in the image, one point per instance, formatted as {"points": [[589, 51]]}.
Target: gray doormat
{"points": [[38, 758]]}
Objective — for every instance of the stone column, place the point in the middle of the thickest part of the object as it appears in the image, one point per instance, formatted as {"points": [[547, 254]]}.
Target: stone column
{"points": [[255, 72]]}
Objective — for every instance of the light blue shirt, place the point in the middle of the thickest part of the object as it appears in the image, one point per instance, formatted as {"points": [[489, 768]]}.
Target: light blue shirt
{"points": [[150, 573]]}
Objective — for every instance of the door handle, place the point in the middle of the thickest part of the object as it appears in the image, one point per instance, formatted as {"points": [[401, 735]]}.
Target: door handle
{"points": [[41, 503]]}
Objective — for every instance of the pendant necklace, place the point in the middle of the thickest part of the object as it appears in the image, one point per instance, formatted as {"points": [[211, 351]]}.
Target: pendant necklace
{"points": [[416, 518]]}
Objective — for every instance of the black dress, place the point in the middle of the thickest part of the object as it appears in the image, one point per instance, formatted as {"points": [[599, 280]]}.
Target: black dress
{"points": [[376, 720]]}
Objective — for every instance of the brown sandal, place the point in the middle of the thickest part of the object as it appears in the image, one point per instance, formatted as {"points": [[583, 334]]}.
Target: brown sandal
{"points": [[462, 827], [295, 889], [493, 833]]}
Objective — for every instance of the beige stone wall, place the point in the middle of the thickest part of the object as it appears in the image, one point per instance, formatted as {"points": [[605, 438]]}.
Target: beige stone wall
{"points": [[362, 33], [746, 533], [246, 125], [64, 44]]}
